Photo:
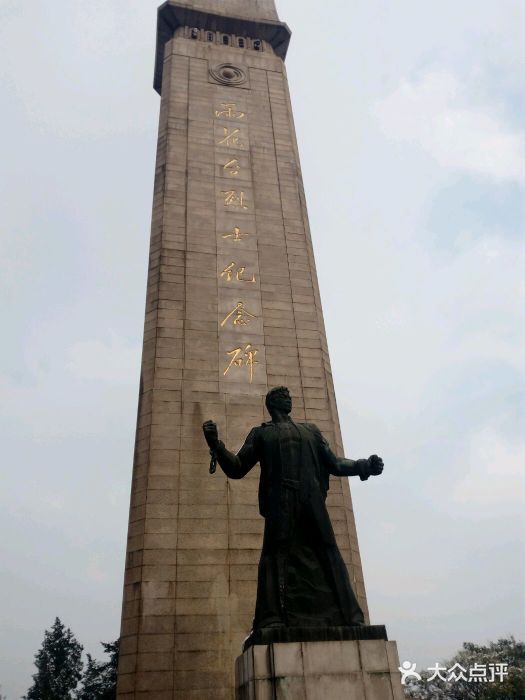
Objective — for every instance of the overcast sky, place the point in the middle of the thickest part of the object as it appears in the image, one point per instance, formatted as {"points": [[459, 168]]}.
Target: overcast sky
{"points": [[411, 132]]}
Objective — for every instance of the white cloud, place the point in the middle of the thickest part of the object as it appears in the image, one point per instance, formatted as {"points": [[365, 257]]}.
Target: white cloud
{"points": [[115, 362], [446, 318], [495, 481], [433, 112]]}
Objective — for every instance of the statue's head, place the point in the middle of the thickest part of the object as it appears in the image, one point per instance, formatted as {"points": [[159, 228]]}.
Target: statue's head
{"points": [[278, 399]]}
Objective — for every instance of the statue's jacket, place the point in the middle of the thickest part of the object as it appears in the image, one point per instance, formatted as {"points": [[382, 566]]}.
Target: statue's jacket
{"points": [[317, 463]]}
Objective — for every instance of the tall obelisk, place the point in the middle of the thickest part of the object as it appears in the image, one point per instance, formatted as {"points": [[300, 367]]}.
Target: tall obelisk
{"points": [[232, 309]]}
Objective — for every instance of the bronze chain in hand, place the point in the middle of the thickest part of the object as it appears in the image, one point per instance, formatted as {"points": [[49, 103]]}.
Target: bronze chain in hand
{"points": [[209, 428]]}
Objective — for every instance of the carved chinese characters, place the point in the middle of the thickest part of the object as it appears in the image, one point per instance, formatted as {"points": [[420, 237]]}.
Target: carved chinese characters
{"points": [[240, 311], [235, 272], [236, 234]]}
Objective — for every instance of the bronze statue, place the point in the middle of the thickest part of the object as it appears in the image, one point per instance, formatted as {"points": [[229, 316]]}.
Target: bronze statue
{"points": [[303, 580]]}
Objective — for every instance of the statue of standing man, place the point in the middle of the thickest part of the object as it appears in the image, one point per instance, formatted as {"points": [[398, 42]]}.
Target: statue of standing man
{"points": [[302, 580]]}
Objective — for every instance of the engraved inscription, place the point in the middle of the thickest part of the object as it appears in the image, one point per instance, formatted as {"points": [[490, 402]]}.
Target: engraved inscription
{"points": [[235, 199], [228, 110], [235, 272], [243, 358], [236, 234], [232, 167], [231, 137], [239, 316]]}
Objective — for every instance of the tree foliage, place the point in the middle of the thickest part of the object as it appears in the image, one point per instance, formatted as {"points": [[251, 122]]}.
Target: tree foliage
{"points": [[100, 678], [59, 665], [504, 651]]}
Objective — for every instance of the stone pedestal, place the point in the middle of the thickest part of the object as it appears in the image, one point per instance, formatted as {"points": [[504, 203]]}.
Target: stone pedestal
{"points": [[329, 670]]}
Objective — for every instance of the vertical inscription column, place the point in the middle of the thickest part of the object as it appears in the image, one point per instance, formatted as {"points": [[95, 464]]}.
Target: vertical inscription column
{"points": [[241, 340]]}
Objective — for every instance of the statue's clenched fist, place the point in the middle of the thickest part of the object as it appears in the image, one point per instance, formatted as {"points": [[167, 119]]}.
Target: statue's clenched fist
{"points": [[211, 434], [375, 465]]}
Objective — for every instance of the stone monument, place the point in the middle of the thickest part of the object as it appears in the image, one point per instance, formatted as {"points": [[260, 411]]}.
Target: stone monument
{"points": [[233, 309]]}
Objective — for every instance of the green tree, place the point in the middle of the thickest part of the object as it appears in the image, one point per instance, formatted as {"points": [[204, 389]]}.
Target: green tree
{"points": [[510, 686], [59, 665], [100, 678]]}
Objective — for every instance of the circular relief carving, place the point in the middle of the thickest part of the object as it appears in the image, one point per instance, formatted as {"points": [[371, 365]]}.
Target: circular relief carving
{"points": [[228, 74]]}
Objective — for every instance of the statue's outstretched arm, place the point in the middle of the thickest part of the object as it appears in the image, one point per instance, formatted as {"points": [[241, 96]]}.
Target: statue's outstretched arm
{"points": [[235, 466], [338, 466], [351, 467]]}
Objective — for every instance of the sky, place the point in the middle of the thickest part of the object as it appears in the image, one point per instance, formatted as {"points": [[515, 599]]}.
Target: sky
{"points": [[409, 118]]}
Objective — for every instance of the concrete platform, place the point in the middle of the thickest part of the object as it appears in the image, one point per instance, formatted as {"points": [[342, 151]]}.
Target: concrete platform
{"points": [[327, 670]]}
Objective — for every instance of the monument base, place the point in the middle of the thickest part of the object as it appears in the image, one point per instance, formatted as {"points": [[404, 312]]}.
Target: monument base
{"points": [[271, 635], [359, 669]]}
